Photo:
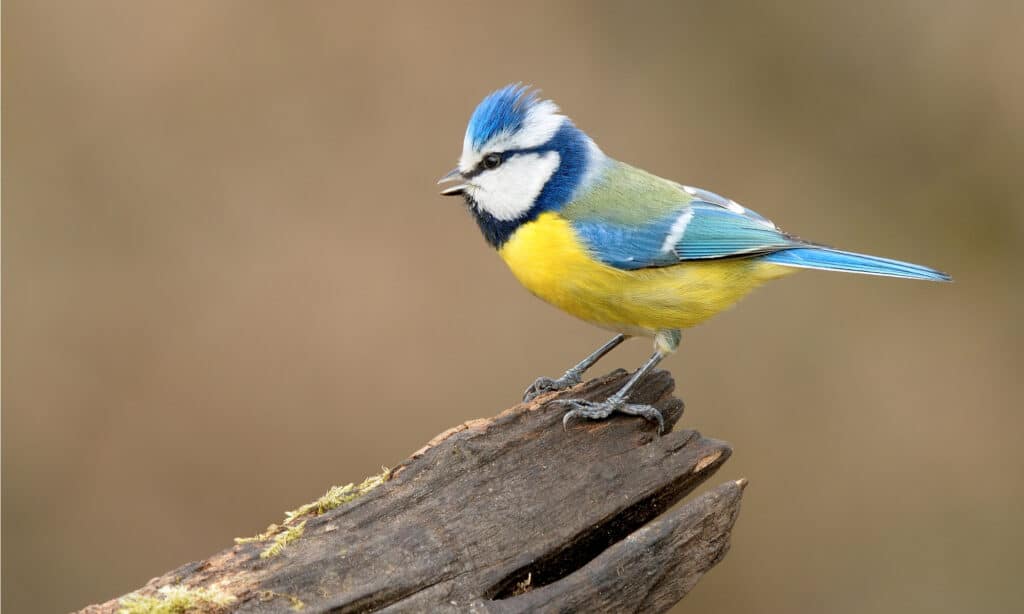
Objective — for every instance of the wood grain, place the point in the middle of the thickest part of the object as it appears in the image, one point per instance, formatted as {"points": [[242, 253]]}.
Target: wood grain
{"points": [[507, 514]]}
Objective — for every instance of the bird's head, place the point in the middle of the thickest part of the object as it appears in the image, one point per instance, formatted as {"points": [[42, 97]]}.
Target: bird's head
{"points": [[520, 157]]}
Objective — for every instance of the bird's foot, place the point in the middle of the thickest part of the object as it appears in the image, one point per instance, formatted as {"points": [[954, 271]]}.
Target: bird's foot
{"points": [[599, 410], [546, 384]]}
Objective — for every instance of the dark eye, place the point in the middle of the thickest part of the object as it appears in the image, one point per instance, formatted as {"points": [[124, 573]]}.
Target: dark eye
{"points": [[492, 160]]}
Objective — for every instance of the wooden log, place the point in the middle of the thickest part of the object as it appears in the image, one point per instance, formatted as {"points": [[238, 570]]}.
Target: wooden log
{"points": [[507, 514]]}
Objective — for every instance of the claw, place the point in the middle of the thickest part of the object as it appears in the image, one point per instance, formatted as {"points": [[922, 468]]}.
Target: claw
{"points": [[545, 384], [647, 412], [594, 410]]}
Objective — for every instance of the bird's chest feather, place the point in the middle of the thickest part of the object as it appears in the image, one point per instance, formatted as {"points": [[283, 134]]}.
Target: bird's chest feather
{"points": [[547, 257]]}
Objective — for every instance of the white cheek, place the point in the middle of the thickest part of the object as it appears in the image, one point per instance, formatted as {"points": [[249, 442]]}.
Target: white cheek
{"points": [[510, 190]]}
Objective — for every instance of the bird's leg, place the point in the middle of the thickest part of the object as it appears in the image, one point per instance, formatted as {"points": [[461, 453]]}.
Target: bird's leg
{"points": [[573, 375], [665, 343]]}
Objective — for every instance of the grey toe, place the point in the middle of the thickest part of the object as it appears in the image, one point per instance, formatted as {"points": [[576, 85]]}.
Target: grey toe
{"points": [[594, 410], [646, 411], [545, 384]]}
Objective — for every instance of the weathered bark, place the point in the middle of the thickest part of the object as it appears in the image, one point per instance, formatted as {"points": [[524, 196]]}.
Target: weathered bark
{"points": [[508, 514]]}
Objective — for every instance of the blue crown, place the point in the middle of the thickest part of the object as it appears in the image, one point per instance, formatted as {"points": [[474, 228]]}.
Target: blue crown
{"points": [[502, 111]]}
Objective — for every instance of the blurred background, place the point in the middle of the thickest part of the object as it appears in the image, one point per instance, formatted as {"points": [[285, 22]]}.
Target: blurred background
{"points": [[229, 281]]}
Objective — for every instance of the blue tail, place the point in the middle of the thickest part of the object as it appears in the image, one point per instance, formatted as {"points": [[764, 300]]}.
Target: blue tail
{"points": [[827, 259]]}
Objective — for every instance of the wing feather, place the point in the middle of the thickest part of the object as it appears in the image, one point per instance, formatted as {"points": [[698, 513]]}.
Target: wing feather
{"points": [[634, 220]]}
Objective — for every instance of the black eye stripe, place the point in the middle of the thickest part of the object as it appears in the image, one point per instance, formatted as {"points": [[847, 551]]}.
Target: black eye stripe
{"points": [[481, 166], [505, 155], [473, 173]]}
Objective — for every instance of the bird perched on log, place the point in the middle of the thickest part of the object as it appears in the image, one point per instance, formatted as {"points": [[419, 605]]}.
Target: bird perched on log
{"points": [[615, 245]]}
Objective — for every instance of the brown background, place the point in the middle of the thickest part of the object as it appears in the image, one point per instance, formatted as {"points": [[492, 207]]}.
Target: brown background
{"points": [[229, 281]]}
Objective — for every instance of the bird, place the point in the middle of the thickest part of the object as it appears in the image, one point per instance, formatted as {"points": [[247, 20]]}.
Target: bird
{"points": [[617, 246]]}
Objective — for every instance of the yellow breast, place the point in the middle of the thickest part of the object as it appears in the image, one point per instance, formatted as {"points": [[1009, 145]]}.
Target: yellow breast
{"points": [[548, 259]]}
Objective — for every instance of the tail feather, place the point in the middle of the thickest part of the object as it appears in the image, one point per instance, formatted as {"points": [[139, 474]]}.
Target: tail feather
{"points": [[827, 259]]}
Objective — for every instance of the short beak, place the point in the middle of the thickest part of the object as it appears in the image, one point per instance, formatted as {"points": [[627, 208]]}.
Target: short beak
{"points": [[451, 176], [455, 190]]}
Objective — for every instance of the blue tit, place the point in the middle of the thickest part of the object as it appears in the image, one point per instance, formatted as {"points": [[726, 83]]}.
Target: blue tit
{"points": [[615, 245]]}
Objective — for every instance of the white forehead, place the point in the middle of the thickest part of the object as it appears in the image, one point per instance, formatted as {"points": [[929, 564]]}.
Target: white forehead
{"points": [[541, 123]]}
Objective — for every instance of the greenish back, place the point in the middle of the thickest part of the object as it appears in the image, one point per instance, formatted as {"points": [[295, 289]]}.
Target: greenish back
{"points": [[626, 195]]}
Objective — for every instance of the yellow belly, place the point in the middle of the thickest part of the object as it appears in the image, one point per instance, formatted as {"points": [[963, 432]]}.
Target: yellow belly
{"points": [[546, 257]]}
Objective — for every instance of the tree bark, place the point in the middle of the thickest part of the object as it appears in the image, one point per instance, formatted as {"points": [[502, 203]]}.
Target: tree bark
{"points": [[507, 514]]}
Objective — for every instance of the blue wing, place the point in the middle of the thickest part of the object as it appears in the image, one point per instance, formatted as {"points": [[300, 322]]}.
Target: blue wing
{"points": [[697, 230], [635, 220]]}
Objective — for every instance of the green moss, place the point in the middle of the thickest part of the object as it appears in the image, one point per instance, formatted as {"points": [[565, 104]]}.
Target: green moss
{"points": [[284, 534], [271, 530], [176, 599], [338, 495], [281, 540]]}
